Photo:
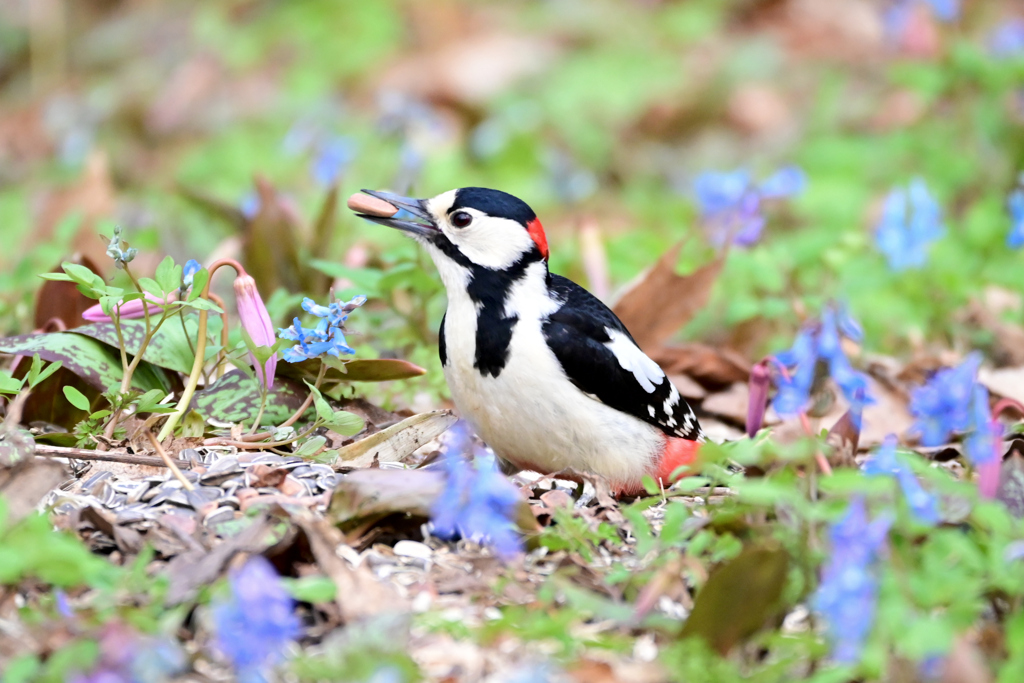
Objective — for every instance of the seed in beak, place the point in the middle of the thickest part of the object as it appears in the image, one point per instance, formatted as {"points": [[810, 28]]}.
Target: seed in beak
{"points": [[371, 206]]}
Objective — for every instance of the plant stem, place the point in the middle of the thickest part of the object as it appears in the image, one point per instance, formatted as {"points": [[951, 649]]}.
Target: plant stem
{"points": [[264, 393], [309, 399], [170, 463]]}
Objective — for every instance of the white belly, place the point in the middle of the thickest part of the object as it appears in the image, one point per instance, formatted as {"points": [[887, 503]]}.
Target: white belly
{"points": [[532, 416]]}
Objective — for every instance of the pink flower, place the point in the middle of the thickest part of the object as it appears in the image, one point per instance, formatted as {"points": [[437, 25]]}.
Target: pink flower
{"points": [[758, 400], [131, 310], [256, 322]]}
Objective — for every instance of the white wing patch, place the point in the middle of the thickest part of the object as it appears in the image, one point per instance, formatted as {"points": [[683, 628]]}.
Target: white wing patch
{"points": [[633, 360]]}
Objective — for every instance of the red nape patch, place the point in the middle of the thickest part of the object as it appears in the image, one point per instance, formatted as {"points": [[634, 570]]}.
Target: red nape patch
{"points": [[678, 453], [536, 231]]}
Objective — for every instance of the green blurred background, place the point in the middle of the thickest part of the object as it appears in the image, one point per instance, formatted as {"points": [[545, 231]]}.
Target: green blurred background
{"points": [[158, 115]]}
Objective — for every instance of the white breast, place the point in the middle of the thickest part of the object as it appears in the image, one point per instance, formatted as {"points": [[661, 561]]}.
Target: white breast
{"points": [[531, 414]]}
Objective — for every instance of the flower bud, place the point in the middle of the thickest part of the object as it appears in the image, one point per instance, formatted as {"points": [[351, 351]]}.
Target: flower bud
{"points": [[131, 310], [252, 312], [758, 400]]}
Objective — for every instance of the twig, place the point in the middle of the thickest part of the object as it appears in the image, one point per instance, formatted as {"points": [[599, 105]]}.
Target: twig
{"points": [[170, 463], [106, 456]]}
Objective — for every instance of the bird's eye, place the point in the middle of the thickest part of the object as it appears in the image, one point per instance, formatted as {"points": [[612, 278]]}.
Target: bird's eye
{"points": [[461, 219]]}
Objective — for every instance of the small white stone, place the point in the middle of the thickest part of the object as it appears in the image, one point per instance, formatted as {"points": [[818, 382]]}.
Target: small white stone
{"points": [[413, 549]]}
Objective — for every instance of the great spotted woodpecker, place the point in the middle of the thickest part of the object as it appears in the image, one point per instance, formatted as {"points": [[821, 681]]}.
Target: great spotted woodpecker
{"points": [[548, 376]]}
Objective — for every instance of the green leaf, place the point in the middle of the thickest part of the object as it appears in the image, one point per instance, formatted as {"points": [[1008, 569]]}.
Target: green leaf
{"points": [[199, 281], [38, 373], [8, 384], [59, 277], [168, 275], [236, 398], [93, 361], [76, 398], [82, 275], [311, 589], [152, 286], [312, 446], [345, 423]]}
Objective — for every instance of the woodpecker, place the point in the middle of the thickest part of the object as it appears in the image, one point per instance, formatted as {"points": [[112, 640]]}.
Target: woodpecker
{"points": [[545, 373]]}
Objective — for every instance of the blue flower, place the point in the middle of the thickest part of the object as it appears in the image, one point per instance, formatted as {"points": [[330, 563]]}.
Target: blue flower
{"points": [[328, 337], [1007, 40], [1015, 238], [942, 406], [189, 273], [257, 622], [899, 12], [911, 221], [848, 592], [885, 463], [986, 434], [332, 158], [821, 342], [730, 202], [478, 502]]}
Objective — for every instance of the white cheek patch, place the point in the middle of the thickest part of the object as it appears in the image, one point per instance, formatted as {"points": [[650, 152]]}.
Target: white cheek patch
{"points": [[633, 360], [491, 242]]}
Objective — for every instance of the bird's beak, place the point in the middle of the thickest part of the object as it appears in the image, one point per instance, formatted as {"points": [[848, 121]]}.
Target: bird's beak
{"points": [[412, 216]]}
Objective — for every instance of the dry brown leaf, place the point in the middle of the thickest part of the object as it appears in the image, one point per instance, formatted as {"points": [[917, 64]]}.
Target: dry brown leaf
{"points": [[360, 594], [710, 365], [1005, 382], [472, 70], [92, 197], [965, 664], [25, 484], [655, 305]]}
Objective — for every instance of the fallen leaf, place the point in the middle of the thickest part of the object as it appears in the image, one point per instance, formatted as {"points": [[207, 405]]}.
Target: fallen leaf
{"points": [[30, 479], [359, 593], [710, 365], [965, 663], [397, 441], [659, 302], [739, 596], [844, 438], [367, 495]]}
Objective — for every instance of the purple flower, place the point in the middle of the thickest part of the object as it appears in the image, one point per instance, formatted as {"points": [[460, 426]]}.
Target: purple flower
{"points": [[886, 463], [911, 221], [478, 502], [129, 657], [899, 11], [1015, 238], [328, 337], [730, 202], [983, 444], [1007, 40], [332, 158], [942, 406], [848, 592], [255, 319], [821, 342], [257, 622]]}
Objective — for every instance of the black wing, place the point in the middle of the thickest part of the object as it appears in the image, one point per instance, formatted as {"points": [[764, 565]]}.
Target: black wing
{"points": [[578, 333]]}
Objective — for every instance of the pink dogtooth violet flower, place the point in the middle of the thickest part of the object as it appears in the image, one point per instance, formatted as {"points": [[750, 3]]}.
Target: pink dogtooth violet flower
{"points": [[255, 319], [130, 310]]}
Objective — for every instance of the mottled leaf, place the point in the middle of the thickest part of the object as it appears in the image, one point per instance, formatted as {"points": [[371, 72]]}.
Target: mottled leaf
{"points": [[739, 597], [370, 494], [363, 370], [235, 397], [93, 361], [170, 347]]}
